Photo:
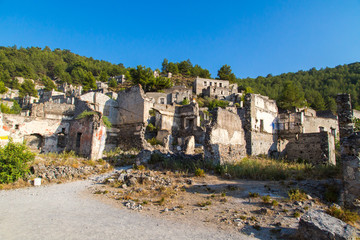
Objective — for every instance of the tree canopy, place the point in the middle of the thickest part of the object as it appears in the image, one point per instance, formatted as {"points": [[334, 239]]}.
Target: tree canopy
{"points": [[320, 87], [225, 73]]}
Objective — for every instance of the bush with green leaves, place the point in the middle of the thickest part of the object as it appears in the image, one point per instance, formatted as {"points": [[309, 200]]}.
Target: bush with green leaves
{"points": [[14, 159]]}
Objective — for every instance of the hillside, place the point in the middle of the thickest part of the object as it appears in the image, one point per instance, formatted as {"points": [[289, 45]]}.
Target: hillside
{"points": [[37, 63], [319, 86]]}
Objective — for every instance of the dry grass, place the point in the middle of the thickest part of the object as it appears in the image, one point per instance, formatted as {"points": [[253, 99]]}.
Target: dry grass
{"points": [[343, 214], [271, 169]]}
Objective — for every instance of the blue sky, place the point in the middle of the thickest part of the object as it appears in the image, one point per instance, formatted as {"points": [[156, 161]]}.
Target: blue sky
{"points": [[253, 37]]}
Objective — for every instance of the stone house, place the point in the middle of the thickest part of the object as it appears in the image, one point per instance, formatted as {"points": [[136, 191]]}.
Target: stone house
{"points": [[214, 88], [172, 95]]}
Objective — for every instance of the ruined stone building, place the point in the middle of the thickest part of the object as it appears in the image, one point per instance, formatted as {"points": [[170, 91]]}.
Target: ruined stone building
{"points": [[214, 88], [172, 95]]}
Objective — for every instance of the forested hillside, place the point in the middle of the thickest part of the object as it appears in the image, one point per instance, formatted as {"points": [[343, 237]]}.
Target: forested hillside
{"points": [[37, 63], [318, 87]]}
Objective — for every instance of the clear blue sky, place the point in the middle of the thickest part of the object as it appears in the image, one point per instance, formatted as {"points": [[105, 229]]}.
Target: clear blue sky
{"points": [[253, 37]]}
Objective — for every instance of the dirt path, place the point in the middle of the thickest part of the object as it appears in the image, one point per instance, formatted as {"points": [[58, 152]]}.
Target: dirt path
{"points": [[64, 211]]}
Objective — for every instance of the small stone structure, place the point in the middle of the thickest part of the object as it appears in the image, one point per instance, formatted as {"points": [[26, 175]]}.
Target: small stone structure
{"points": [[350, 153], [87, 136], [172, 95], [214, 87]]}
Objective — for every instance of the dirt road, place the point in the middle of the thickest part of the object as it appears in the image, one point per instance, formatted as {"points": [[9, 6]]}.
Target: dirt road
{"points": [[66, 211]]}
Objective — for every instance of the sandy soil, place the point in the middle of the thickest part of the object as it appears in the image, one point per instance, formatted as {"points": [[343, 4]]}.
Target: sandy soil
{"points": [[229, 206], [70, 211]]}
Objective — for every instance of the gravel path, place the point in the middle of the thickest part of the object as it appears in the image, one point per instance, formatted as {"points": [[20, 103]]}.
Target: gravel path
{"points": [[63, 212]]}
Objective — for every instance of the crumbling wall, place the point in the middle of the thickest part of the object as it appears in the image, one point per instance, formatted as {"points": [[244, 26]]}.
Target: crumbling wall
{"points": [[224, 138], [42, 134], [102, 103], [132, 118], [87, 136], [51, 110], [350, 153], [317, 148], [260, 117]]}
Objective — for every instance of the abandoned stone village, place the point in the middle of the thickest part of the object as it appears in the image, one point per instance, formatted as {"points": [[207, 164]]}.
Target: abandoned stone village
{"points": [[251, 125]]}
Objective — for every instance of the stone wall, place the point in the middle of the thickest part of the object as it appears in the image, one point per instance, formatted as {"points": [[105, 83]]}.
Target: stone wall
{"points": [[87, 136], [51, 110], [102, 103], [303, 122], [316, 148], [350, 153], [259, 120], [43, 134], [132, 118], [224, 139]]}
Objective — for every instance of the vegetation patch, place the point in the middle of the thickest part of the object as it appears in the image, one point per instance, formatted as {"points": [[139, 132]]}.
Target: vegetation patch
{"points": [[271, 169], [343, 214], [14, 159]]}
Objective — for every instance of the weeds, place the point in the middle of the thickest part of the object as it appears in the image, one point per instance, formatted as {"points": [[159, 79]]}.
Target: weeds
{"points": [[204, 204], [343, 214], [199, 172], [270, 169], [253, 195], [274, 203], [297, 195], [266, 199], [296, 214]]}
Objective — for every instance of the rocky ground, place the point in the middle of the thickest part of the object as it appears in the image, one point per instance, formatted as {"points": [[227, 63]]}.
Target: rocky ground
{"points": [[256, 208]]}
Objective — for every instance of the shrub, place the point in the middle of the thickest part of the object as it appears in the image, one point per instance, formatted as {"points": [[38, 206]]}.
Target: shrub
{"points": [[85, 114], [253, 195], [343, 214], [296, 214], [297, 195], [153, 141], [266, 199], [204, 204], [150, 127], [156, 158], [14, 158], [274, 203], [185, 102], [199, 172]]}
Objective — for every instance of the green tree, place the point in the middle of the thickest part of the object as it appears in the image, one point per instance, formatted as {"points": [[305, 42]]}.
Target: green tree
{"points": [[173, 68], [27, 88], [49, 85], [112, 83], [89, 82], [291, 96], [104, 77], [164, 66], [3, 89], [225, 73], [185, 67]]}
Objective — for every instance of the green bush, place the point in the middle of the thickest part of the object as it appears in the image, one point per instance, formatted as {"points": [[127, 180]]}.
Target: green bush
{"points": [[14, 158], [199, 172]]}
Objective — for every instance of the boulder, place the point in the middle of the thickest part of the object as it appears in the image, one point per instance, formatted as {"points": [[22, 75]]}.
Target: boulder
{"points": [[318, 225]]}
